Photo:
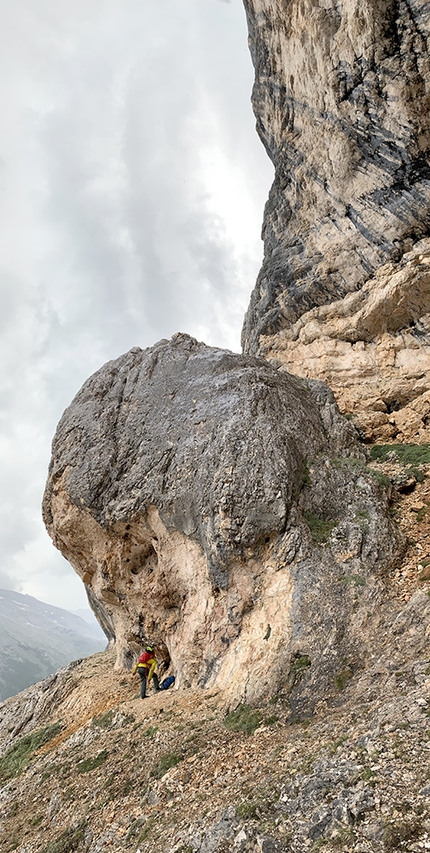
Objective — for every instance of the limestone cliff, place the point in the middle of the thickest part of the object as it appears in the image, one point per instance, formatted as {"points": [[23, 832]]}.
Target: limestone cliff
{"points": [[342, 97], [210, 503]]}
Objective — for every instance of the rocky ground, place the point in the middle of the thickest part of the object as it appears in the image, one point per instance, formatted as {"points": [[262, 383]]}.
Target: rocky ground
{"points": [[88, 766]]}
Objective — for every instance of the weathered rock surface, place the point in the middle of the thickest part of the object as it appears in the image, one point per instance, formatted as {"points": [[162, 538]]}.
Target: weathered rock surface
{"points": [[341, 97], [372, 349], [210, 503]]}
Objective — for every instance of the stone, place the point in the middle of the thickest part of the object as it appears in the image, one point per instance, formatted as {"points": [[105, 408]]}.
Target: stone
{"points": [[341, 97], [208, 496], [268, 844]]}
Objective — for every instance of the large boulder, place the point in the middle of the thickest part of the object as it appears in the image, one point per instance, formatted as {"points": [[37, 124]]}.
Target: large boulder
{"points": [[220, 508]]}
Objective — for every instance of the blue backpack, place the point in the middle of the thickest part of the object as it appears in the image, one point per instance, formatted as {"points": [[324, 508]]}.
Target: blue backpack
{"points": [[167, 682]]}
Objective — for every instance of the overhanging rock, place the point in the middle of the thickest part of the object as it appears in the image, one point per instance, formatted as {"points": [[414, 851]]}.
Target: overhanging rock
{"points": [[219, 507]]}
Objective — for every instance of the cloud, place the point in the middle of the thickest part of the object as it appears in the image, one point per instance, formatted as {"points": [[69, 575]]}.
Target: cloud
{"points": [[133, 188], [7, 582]]}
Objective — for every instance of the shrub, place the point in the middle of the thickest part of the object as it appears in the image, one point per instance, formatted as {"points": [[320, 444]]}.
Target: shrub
{"points": [[243, 719], [415, 472], [320, 528], [408, 454], [18, 756]]}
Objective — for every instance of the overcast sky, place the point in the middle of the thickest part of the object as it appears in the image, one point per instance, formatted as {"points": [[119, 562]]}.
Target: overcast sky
{"points": [[132, 194]]}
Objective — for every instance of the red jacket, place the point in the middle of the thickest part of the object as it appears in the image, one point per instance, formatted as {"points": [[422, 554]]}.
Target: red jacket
{"points": [[146, 659]]}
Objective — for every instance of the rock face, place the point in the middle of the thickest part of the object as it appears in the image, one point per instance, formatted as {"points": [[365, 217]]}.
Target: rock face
{"points": [[342, 96], [210, 503]]}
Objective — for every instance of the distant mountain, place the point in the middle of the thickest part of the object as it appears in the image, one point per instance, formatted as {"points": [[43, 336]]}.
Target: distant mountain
{"points": [[37, 638], [88, 616]]}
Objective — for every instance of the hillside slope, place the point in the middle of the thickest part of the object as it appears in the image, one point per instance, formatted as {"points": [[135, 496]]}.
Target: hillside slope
{"points": [[97, 769]]}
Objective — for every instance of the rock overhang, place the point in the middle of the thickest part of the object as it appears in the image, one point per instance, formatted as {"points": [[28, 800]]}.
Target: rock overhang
{"points": [[184, 484]]}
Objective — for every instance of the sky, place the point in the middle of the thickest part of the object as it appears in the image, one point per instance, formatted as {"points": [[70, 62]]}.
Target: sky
{"points": [[132, 193]]}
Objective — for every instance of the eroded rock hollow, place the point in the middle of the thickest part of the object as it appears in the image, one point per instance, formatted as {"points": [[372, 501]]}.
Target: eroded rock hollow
{"points": [[220, 508], [342, 100]]}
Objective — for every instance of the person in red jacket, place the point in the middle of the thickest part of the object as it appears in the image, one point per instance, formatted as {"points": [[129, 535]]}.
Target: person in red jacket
{"points": [[145, 666]]}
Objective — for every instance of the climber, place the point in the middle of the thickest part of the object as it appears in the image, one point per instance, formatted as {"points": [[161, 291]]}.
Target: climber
{"points": [[146, 668]]}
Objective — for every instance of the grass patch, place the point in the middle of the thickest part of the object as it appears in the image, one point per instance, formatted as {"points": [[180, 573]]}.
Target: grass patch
{"points": [[12, 844], [68, 841], [150, 732], [19, 755], [357, 580], [149, 827], [103, 721], [415, 472], [407, 454], [298, 666], [270, 721], [362, 468], [89, 764], [165, 762], [243, 719], [247, 810], [396, 835], [363, 515], [306, 475], [420, 515], [320, 528], [342, 678]]}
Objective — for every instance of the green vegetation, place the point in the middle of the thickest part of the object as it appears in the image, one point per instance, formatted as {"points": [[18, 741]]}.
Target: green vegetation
{"points": [[396, 835], [306, 476], [344, 836], [243, 719], [19, 755], [408, 454], [360, 467], [149, 827], [103, 721], [320, 528], [150, 732], [68, 841], [357, 580], [59, 770], [270, 721], [298, 666], [247, 810], [89, 764], [343, 677], [415, 472], [420, 515], [363, 514], [165, 762]]}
